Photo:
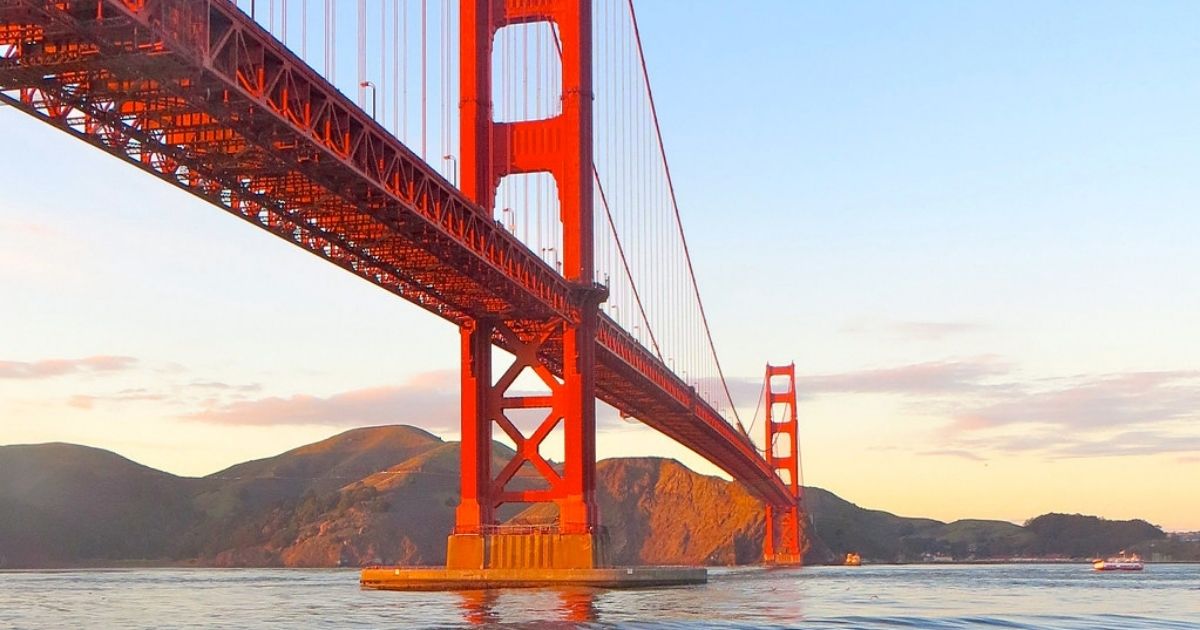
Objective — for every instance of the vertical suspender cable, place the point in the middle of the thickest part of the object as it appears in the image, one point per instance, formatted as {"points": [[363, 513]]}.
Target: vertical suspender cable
{"points": [[675, 205], [544, 191], [404, 72], [524, 96], [362, 53], [424, 80], [447, 84], [396, 67], [443, 149], [382, 57], [333, 42]]}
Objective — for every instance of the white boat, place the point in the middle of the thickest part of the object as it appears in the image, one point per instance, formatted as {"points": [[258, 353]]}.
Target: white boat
{"points": [[1122, 562]]}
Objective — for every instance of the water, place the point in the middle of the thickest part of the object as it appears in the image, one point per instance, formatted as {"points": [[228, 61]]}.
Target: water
{"points": [[1003, 596]]}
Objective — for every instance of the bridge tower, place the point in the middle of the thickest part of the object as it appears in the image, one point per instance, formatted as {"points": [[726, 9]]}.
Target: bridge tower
{"points": [[785, 541], [562, 146]]}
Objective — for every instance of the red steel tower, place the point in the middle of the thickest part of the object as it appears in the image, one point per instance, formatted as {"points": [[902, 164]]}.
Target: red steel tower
{"points": [[784, 542], [562, 146]]}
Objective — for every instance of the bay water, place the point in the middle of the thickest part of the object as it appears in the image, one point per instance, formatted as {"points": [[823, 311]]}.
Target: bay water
{"points": [[1054, 596]]}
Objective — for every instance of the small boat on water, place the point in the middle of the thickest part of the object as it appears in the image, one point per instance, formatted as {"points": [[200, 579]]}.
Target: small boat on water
{"points": [[1121, 562], [852, 560]]}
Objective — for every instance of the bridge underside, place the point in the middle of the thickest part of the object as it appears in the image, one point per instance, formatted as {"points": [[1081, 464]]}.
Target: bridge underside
{"points": [[198, 95]]}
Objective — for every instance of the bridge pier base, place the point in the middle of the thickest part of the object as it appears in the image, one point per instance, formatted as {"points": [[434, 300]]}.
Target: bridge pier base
{"points": [[442, 579], [527, 559], [534, 550]]}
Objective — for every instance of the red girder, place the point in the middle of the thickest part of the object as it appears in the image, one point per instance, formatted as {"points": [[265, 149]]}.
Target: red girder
{"points": [[195, 93]]}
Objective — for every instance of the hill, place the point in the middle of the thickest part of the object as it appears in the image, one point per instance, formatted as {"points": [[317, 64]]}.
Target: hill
{"points": [[884, 537], [62, 504], [388, 494], [1076, 535], [240, 501], [398, 515], [321, 467], [657, 511]]}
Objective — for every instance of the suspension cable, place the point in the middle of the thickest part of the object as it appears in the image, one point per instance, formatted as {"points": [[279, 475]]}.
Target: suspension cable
{"points": [[761, 394], [625, 263], [617, 237], [678, 221]]}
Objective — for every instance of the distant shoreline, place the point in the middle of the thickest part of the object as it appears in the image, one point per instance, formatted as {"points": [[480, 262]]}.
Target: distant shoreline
{"points": [[133, 565], [371, 496], [1086, 561]]}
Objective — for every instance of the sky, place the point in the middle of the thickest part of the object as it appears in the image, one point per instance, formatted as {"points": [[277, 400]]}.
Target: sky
{"points": [[972, 226]]}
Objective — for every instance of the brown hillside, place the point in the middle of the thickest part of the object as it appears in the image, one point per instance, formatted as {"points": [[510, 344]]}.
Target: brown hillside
{"points": [[657, 511], [321, 467], [400, 515], [660, 512], [388, 495]]}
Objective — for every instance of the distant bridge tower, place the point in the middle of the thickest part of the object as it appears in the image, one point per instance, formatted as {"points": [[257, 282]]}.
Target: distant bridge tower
{"points": [[562, 146], [785, 541]]}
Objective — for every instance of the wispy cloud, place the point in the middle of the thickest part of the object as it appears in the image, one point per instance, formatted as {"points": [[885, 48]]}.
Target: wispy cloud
{"points": [[225, 387], [87, 401], [916, 330], [1133, 443], [429, 400], [954, 453], [988, 408], [1135, 413], [1056, 444], [932, 331], [49, 368], [935, 377], [743, 389], [186, 395], [1095, 402]]}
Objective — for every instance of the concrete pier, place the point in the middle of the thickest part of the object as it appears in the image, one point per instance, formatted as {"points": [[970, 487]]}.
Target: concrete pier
{"points": [[524, 547], [445, 579]]}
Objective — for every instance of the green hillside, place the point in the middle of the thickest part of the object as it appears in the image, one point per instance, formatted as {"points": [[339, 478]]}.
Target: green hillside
{"points": [[1075, 535], [62, 504]]}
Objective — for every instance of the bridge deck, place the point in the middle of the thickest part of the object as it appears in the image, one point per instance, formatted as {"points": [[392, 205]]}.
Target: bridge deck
{"points": [[197, 94]]}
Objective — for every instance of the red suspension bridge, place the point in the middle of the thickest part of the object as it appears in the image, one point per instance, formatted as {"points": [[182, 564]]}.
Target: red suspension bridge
{"points": [[498, 163]]}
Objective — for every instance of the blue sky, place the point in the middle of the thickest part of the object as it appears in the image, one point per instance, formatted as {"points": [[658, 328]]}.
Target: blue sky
{"points": [[973, 226]]}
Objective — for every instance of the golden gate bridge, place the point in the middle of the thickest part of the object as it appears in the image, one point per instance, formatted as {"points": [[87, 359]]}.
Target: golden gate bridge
{"points": [[498, 163]]}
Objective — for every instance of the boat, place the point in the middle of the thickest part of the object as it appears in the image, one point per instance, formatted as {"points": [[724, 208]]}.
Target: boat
{"points": [[852, 560], [1120, 562]]}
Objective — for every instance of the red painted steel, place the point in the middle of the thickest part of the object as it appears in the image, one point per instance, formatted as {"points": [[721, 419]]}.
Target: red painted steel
{"points": [[784, 542], [562, 146], [195, 93]]}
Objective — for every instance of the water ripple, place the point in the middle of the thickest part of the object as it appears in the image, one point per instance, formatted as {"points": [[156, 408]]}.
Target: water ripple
{"points": [[1052, 597]]}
